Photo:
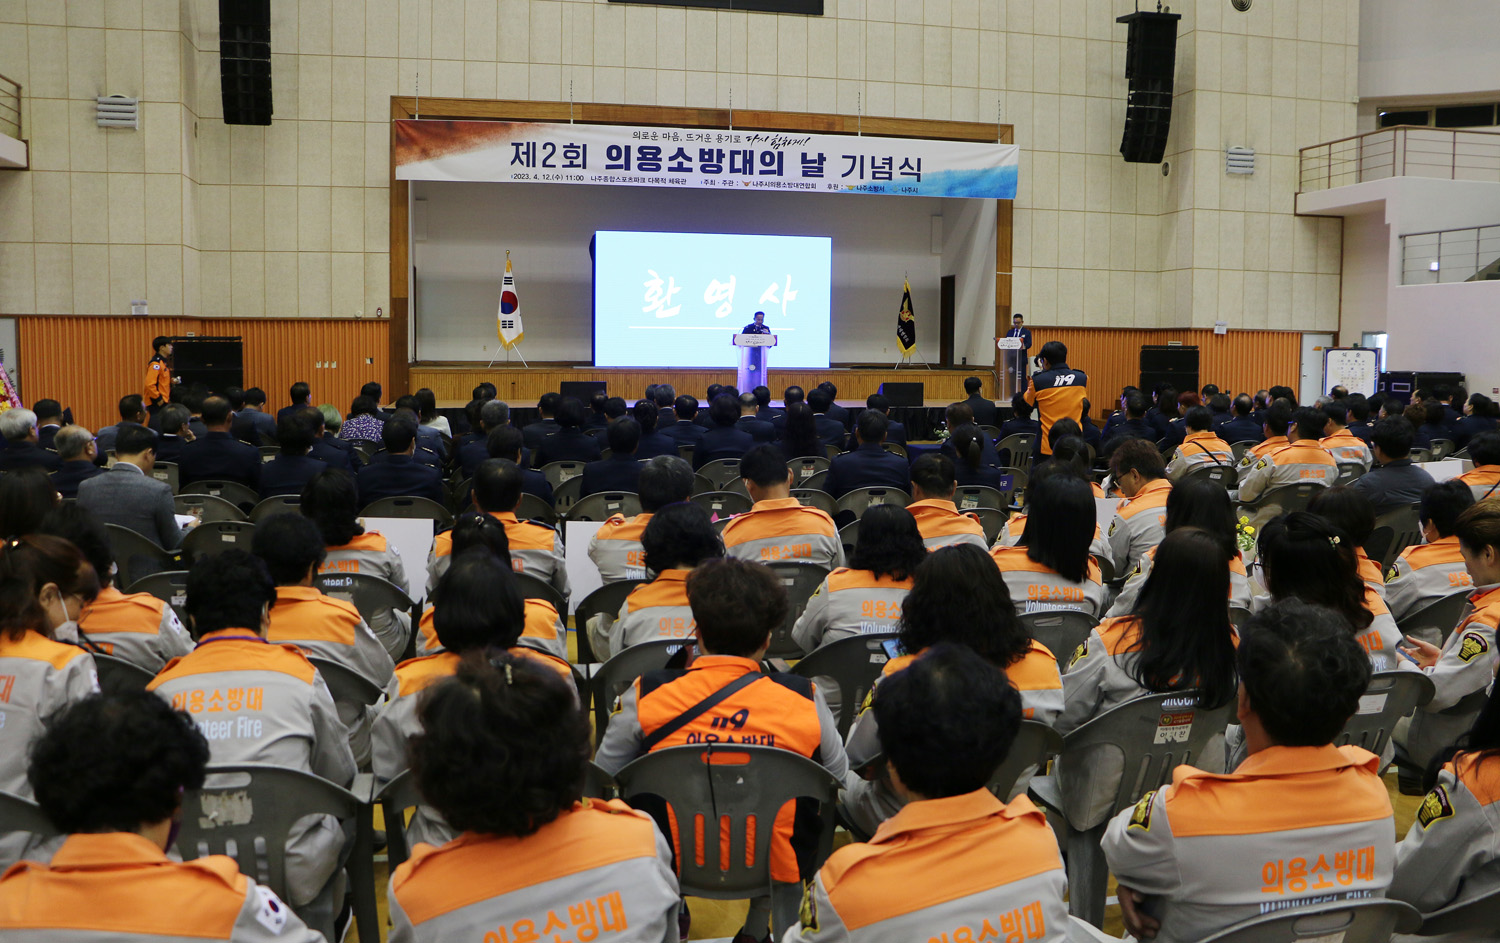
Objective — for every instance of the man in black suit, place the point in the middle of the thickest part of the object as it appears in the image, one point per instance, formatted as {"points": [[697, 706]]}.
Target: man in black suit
{"points": [[75, 449], [132, 413], [569, 443], [1241, 427], [836, 412], [759, 430], [704, 419], [493, 415], [763, 410], [724, 440], [174, 435], [653, 443], [685, 430], [505, 442], [395, 473], [217, 456], [533, 433], [869, 465], [985, 413], [1135, 425], [18, 426], [251, 421], [294, 467], [622, 470], [301, 395], [596, 417], [49, 417], [830, 430], [792, 394], [895, 431]]}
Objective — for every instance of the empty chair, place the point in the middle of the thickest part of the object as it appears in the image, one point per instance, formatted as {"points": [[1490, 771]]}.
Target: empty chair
{"points": [[136, 555], [558, 472], [276, 504], [409, 507], [861, 498], [814, 482], [213, 537], [117, 676], [567, 494], [604, 505], [1470, 920], [851, 666], [604, 601], [813, 498], [167, 472], [1391, 696], [1016, 450], [1440, 449], [1352, 921], [206, 507], [242, 496], [702, 484], [801, 581], [721, 471], [614, 676], [805, 466], [973, 497], [1062, 631]]}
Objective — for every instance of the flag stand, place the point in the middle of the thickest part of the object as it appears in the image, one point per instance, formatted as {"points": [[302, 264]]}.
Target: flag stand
{"points": [[906, 359], [507, 357], [906, 314]]}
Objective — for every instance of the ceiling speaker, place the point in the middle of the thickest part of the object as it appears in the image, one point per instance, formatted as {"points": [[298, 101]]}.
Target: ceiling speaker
{"points": [[1241, 5]]}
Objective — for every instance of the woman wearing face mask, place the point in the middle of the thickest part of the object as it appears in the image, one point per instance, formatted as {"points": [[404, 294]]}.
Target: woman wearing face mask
{"points": [[44, 585]]}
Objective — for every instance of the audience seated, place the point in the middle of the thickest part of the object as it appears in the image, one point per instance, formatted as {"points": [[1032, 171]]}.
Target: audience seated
{"points": [[1343, 445], [1021, 421], [569, 443], [132, 413], [724, 440], [250, 423], [328, 449], [1091, 433], [620, 472], [1435, 424], [965, 447], [827, 416], [1416, 415], [958, 597], [173, 421], [18, 427], [1204, 506], [110, 773], [49, 419], [535, 432], [128, 496], [1069, 456], [653, 441], [507, 442], [981, 407], [779, 528], [799, 433], [535, 548], [1213, 849], [1427, 572], [1351, 512], [954, 855], [76, 453], [683, 429], [933, 484], [760, 431], [280, 709], [364, 421], [1484, 478], [396, 473], [1135, 425], [26, 496], [1137, 470], [894, 431], [291, 470], [1394, 482], [869, 465], [501, 756], [1278, 419], [1479, 416], [1049, 568], [1359, 417], [217, 456], [1241, 425], [763, 408], [958, 416], [678, 538], [1200, 447], [300, 395], [1302, 461], [865, 597], [615, 548], [474, 448]]}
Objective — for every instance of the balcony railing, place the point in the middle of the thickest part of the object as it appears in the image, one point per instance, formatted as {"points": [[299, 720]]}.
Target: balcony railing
{"points": [[1400, 152], [1452, 255], [10, 107]]}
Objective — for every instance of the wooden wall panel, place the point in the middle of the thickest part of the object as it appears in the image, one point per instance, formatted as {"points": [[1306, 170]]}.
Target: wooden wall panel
{"points": [[1239, 360], [88, 363]]}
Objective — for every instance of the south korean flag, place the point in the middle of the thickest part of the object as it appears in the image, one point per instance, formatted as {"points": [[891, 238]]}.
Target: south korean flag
{"points": [[508, 319]]}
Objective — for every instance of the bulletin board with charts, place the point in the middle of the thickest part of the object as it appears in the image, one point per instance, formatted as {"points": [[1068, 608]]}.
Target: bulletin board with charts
{"points": [[1357, 369]]}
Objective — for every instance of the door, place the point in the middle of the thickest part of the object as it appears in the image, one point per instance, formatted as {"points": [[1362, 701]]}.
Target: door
{"points": [[1313, 346]]}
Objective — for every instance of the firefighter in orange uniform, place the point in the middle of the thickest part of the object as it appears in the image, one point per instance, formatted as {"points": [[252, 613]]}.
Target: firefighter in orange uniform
{"points": [[1056, 391], [159, 377]]}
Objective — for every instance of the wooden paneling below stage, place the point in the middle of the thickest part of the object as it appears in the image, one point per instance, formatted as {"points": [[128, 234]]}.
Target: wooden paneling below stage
{"points": [[1239, 361], [521, 386]]}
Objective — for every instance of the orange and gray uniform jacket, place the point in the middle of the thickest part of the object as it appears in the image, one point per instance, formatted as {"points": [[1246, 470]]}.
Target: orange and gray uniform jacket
{"points": [[616, 548], [599, 871], [1345, 447], [1057, 393], [38, 676], [1130, 593], [1452, 852], [1259, 451], [966, 867], [370, 554], [324, 627], [1035, 587], [1010, 536], [1302, 462], [777, 710], [257, 702], [1483, 481], [1425, 573], [117, 887], [398, 722], [542, 630], [1463, 672], [849, 603], [1369, 572], [868, 802], [1139, 525], [1197, 450], [158, 382], [1379, 639], [782, 530], [139, 628], [941, 524], [1291, 827], [654, 612], [535, 550]]}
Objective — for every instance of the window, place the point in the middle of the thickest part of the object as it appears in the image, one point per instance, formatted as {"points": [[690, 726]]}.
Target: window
{"points": [[806, 7], [1465, 116], [1389, 119]]}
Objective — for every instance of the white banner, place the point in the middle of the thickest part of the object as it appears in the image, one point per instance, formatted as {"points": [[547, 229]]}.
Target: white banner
{"points": [[702, 158]]}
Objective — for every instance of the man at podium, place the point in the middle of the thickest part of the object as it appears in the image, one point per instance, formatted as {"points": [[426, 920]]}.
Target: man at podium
{"points": [[758, 326]]}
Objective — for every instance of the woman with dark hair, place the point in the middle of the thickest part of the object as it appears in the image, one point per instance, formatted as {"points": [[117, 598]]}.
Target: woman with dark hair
{"points": [[1205, 506], [363, 421], [958, 596], [427, 413], [26, 495], [1049, 568], [1419, 415], [501, 754], [1070, 459], [1302, 556], [866, 596], [799, 434], [1176, 637], [110, 773], [331, 499], [676, 539], [1352, 512], [1439, 863], [544, 628], [967, 442]]}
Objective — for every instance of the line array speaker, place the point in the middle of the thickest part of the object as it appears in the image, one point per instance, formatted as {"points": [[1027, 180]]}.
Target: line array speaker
{"points": [[1150, 60], [245, 60]]}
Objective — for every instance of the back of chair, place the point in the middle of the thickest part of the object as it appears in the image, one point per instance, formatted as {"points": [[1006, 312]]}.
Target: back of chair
{"points": [[1435, 621], [167, 472], [1016, 450], [719, 792], [805, 466], [1421, 456], [533, 588], [973, 497], [242, 496], [1348, 471], [276, 504], [567, 494], [1238, 616], [1287, 497], [813, 498], [801, 581], [1441, 449], [1013, 479], [207, 507], [23, 815], [702, 484], [345, 685], [1394, 532], [814, 482], [895, 448], [597, 784], [849, 537], [268, 453], [605, 601], [1351, 921], [722, 503], [118, 676], [1390, 696], [136, 555], [1470, 920], [214, 537], [1221, 474], [1035, 744], [169, 586], [395, 798], [410, 507], [992, 520], [533, 508], [370, 594], [614, 676], [1062, 630], [861, 499], [604, 505], [1240, 448], [558, 472], [721, 471], [852, 664]]}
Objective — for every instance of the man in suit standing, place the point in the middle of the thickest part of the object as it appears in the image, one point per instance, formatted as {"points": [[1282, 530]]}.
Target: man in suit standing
{"points": [[533, 433], [985, 413], [725, 439], [396, 474], [759, 430], [830, 430], [49, 416], [75, 449], [1016, 359], [217, 456], [868, 466], [685, 430], [18, 426], [127, 495], [132, 413], [622, 470]]}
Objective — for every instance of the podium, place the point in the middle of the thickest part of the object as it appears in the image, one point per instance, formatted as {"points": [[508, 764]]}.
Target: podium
{"points": [[753, 350], [1012, 368]]}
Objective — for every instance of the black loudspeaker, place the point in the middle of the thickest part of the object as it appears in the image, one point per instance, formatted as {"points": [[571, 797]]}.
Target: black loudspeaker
{"points": [[902, 394], [245, 60], [582, 390], [215, 362], [1169, 364], [1150, 60]]}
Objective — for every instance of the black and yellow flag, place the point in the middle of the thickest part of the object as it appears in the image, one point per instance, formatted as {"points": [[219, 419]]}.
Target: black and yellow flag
{"points": [[906, 321]]}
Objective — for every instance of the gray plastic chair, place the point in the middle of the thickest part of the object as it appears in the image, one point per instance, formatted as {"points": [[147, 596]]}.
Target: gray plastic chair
{"points": [[1035, 744], [852, 665], [604, 505], [23, 815], [1130, 730], [606, 600], [805, 466], [895, 448], [410, 507], [614, 676], [212, 537], [167, 472], [1348, 471], [458, 491], [992, 520], [533, 588], [721, 471], [1354, 921], [558, 472], [722, 503], [246, 811], [1394, 532], [207, 507], [1062, 631], [1391, 695], [118, 676], [1287, 497], [685, 452], [242, 496], [1238, 449], [371, 595], [849, 537], [1020, 447], [345, 685], [276, 504], [1436, 621], [1470, 921], [702, 484], [136, 555], [567, 494], [1440, 449], [731, 785], [813, 498], [533, 508], [268, 453], [1013, 480], [993, 432], [1421, 455], [813, 482], [860, 499], [169, 586], [801, 581], [1223, 475], [974, 497]]}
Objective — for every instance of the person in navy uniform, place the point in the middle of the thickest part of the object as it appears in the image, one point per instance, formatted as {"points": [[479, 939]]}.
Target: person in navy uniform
{"points": [[725, 439], [761, 431], [217, 456], [622, 470], [758, 326], [983, 408], [763, 410], [1018, 358], [653, 442], [895, 431], [684, 430], [569, 443], [288, 472], [533, 433], [868, 466], [830, 430], [396, 474], [1242, 427]]}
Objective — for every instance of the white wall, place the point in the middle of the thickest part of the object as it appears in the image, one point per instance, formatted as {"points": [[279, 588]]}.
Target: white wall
{"points": [[969, 255], [1432, 48], [1446, 327], [1366, 277]]}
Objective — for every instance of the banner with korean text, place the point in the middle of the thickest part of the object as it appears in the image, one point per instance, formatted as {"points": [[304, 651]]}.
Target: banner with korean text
{"points": [[702, 158]]}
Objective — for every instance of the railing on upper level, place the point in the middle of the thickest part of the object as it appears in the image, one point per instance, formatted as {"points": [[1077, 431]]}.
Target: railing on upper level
{"points": [[10, 107], [1403, 151], [1451, 255]]}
